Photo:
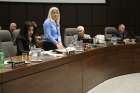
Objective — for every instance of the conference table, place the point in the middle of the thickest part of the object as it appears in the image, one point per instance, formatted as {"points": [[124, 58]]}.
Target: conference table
{"points": [[75, 73]]}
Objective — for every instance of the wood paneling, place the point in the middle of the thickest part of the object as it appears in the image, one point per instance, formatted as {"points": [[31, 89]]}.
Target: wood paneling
{"points": [[84, 15], [68, 15], [4, 15], [89, 15], [114, 16], [129, 16], [63, 79], [128, 4], [99, 13], [17, 14], [35, 12], [114, 3]]}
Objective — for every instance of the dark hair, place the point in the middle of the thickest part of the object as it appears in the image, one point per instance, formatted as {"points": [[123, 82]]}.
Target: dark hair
{"points": [[34, 24], [24, 30], [35, 27]]}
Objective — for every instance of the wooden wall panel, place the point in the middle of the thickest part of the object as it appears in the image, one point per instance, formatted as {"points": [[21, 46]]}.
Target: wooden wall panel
{"points": [[17, 14], [129, 16], [35, 12], [68, 15], [99, 13], [4, 15], [89, 15], [113, 16], [84, 15], [131, 4]]}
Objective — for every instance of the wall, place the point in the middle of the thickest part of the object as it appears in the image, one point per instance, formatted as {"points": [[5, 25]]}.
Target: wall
{"points": [[93, 16]]}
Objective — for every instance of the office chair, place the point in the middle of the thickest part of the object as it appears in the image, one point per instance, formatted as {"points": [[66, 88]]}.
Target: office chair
{"points": [[70, 36], [6, 43], [110, 32], [15, 34], [70, 31]]}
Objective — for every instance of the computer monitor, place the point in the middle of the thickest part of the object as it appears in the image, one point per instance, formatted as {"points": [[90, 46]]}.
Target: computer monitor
{"points": [[88, 41]]}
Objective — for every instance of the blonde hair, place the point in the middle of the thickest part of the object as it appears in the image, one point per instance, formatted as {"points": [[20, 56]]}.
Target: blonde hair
{"points": [[50, 16]]}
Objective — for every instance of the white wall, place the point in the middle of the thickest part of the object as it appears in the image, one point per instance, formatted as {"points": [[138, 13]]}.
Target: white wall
{"points": [[59, 1]]}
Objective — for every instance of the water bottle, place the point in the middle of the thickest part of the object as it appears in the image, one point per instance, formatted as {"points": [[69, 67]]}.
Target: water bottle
{"points": [[94, 42], [114, 40], [1, 59]]}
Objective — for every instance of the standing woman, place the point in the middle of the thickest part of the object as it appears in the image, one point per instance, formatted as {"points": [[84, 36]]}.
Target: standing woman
{"points": [[25, 39], [51, 28]]}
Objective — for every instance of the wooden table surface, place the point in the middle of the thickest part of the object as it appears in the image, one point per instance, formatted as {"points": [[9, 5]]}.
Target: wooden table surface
{"points": [[72, 74]]}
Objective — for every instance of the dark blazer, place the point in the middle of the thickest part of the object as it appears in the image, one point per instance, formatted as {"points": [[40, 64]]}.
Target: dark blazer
{"points": [[127, 34], [23, 45]]}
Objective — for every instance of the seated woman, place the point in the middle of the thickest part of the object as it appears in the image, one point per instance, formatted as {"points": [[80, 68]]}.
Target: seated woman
{"points": [[25, 40]]}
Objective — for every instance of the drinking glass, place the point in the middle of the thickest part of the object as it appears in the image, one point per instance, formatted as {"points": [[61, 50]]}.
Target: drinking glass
{"points": [[24, 56]]}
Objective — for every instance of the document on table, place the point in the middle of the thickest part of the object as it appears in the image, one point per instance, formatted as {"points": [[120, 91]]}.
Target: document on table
{"points": [[54, 54]]}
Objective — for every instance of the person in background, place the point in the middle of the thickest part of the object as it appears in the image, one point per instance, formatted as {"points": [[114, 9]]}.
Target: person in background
{"points": [[123, 33], [35, 27], [12, 27], [81, 33], [25, 40], [37, 35], [51, 28]]}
